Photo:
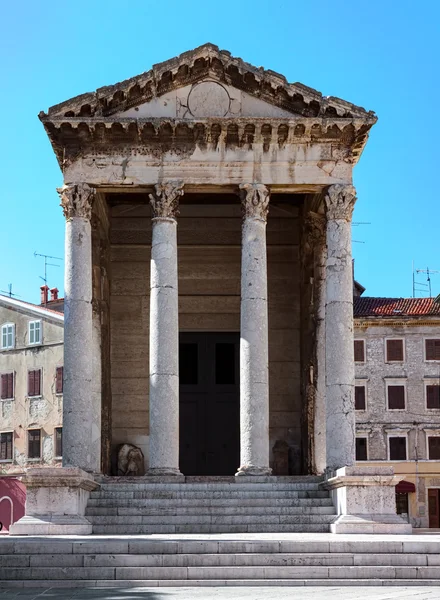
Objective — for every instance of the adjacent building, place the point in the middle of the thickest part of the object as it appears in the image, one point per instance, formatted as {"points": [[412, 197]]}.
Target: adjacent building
{"points": [[397, 397], [31, 372]]}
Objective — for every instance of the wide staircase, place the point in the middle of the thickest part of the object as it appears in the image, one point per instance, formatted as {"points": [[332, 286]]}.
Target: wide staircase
{"points": [[210, 505]]}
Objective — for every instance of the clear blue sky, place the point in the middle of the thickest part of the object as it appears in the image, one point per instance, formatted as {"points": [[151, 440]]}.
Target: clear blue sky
{"points": [[383, 55]]}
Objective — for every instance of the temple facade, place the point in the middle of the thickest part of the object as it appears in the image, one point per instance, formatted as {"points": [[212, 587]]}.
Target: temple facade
{"points": [[209, 288]]}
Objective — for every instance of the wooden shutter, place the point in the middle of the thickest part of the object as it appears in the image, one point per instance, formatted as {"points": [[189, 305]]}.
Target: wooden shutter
{"points": [[394, 350], [397, 448], [396, 397], [433, 396], [38, 382], [434, 448], [359, 351], [34, 449], [432, 349], [31, 383], [58, 441], [361, 449], [3, 446], [59, 380], [4, 386], [10, 378], [359, 397]]}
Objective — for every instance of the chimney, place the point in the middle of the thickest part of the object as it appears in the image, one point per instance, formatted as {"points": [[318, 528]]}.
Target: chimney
{"points": [[53, 294], [44, 290]]}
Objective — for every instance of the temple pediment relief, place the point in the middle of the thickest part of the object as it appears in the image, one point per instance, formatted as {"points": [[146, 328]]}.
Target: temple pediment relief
{"points": [[205, 99]]}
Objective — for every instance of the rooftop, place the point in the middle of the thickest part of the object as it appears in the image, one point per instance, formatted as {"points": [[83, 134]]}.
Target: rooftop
{"points": [[396, 307]]}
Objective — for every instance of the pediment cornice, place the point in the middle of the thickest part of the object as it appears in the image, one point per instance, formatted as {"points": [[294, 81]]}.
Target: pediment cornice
{"points": [[207, 62]]}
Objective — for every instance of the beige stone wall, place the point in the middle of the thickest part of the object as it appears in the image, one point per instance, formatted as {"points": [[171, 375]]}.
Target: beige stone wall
{"points": [[23, 413], [209, 252]]}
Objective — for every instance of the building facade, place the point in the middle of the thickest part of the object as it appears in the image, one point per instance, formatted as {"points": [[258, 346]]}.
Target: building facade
{"points": [[31, 370], [397, 397]]}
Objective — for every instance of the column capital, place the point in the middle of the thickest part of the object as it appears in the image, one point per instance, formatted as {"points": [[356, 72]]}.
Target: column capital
{"points": [[339, 202], [77, 200], [165, 202], [254, 200]]}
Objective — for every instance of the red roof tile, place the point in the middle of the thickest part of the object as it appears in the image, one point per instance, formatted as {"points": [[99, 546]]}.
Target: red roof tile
{"points": [[395, 307]]}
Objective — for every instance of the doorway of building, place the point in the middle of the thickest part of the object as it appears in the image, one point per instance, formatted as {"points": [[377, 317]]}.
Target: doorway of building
{"points": [[209, 403], [434, 508]]}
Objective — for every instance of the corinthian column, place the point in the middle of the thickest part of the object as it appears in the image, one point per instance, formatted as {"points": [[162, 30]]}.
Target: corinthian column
{"points": [[340, 435], [254, 359], [81, 413], [164, 332]]}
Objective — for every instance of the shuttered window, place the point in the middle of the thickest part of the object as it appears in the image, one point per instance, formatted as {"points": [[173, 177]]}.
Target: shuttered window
{"points": [[6, 445], [8, 336], [432, 349], [7, 386], [434, 448], [359, 350], [34, 382], [34, 332], [59, 380], [396, 397], [433, 396], [394, 350], [397, 448], [34, 445], [361, 448], [359, 397], [58, 435]]}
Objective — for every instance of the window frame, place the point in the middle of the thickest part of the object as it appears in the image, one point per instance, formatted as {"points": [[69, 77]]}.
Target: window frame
{"points": [[34, 458], [397, 434], [429, 435], [8, 460], [7, 334], [40, 330], [396, 381], [365, 436], [429, 360], [427, 382], [57, 393], [40, 395], [56, 455], [392, 339], [359, 382], [364, 343], [13, 385]]}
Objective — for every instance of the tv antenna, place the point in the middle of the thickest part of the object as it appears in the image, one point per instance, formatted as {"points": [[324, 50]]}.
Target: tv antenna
{"points": [[47, 264], [428, 277], [9, 292]]}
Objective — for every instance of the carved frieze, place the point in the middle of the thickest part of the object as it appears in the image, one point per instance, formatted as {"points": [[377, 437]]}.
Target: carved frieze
{"points": [[339, 201], [77, 200], [254, 200], [165, 202]]}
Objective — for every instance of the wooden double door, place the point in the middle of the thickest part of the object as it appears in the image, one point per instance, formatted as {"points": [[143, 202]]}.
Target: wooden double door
{"points": [[434, 507], [209, 374]]}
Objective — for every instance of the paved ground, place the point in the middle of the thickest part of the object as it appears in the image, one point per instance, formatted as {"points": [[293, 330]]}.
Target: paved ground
{"points": [[243, 593]]}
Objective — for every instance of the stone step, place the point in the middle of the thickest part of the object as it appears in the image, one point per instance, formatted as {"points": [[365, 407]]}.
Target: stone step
{"points": [[219, 487], [210, 519], [208, 510], [205, 494], [196, 528], [209, 502]]}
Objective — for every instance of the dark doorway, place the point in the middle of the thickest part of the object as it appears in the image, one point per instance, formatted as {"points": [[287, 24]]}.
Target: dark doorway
{"points": [[209, 403], [433, 508]]}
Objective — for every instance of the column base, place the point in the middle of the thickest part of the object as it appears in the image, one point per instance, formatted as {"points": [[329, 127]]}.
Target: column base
{"points": [[56, 500], [251, 471], [364, 498], [164, 472]]}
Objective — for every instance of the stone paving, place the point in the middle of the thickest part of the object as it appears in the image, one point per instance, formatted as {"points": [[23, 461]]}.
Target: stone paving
{"points": [[244, 593]]}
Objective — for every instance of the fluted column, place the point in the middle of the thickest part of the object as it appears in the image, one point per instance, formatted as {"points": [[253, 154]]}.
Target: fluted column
{"points": [[254, 359], [164, 332], [340, 434], [81, 413]]}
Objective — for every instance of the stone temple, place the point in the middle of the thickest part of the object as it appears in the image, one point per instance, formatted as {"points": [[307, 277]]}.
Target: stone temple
{"points": [[209, 290]]}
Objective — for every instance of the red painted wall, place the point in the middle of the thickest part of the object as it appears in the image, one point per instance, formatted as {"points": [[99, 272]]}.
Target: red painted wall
{"points": [[12, 501]]}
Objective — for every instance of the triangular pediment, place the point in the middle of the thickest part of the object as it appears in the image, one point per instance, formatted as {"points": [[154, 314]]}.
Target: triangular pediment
{"points": [[202, 83]]}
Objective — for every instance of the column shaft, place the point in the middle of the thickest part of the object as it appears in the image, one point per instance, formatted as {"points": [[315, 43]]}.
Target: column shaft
{"points": [[81, 413], [340, 435], [164, 333], [254, 358]]}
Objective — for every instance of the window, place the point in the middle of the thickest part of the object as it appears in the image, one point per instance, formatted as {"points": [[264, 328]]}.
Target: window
{"points": [[361, 448], [59, 381], [34, 382], [394, 350], [396, 397], [359, 397], [34, 445], [432, 349], [34, 332], [397, 447], [432, 396], [58, 441], [359, 350], [7, 386], [6, 446], [8, 336], [434, 448]]}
